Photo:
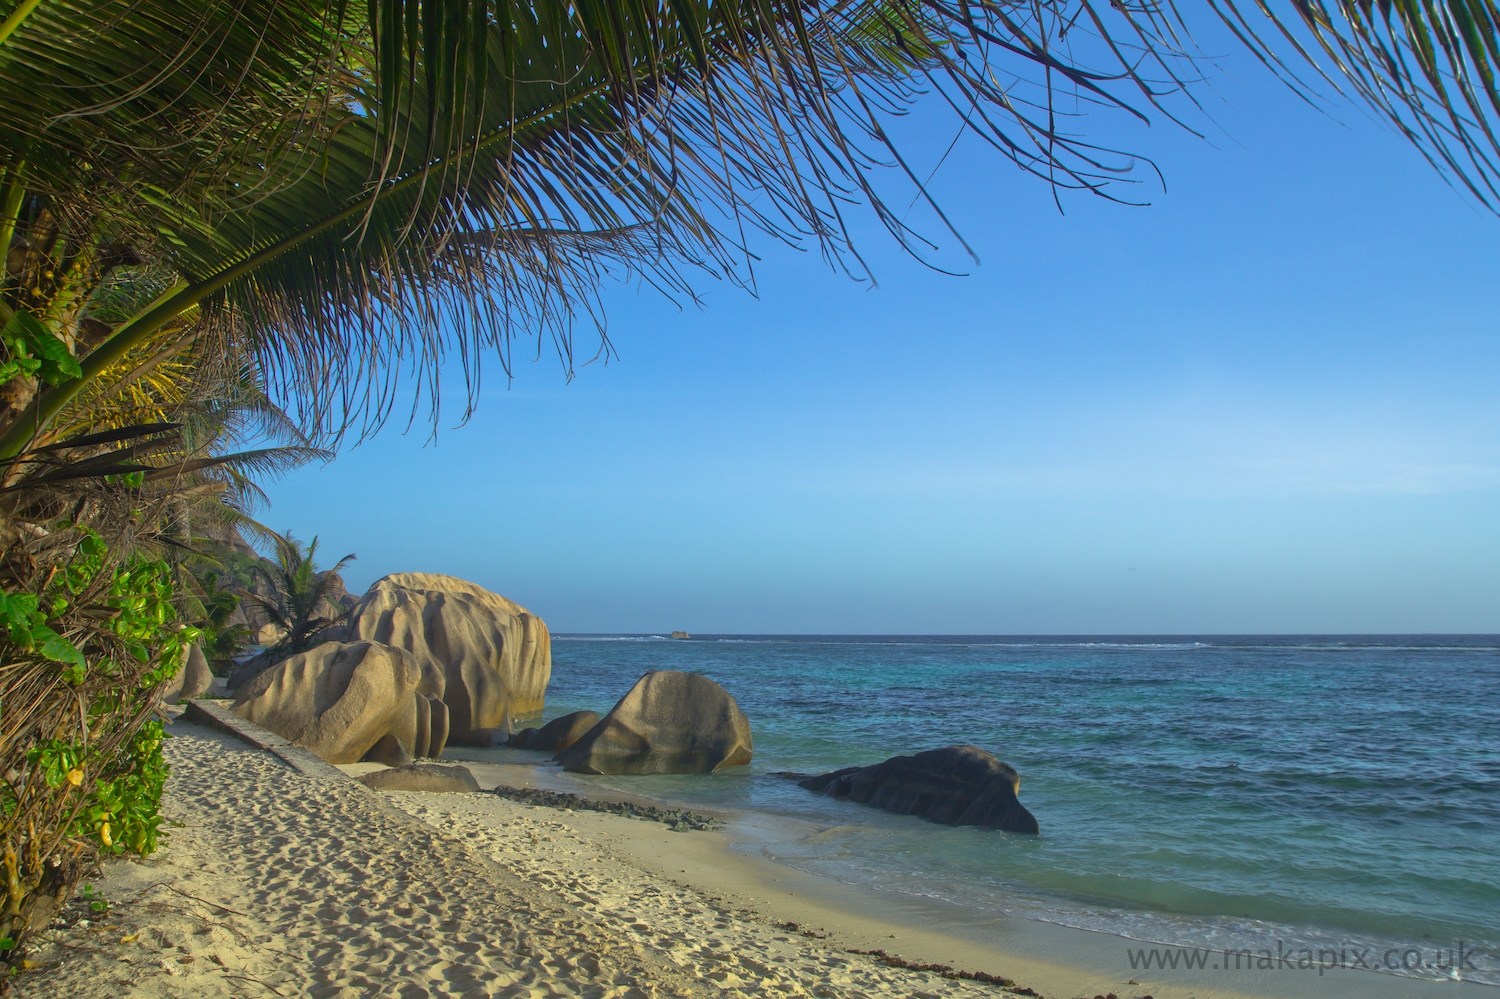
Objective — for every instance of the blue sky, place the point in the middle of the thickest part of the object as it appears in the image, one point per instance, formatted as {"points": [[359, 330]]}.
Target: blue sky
{"points": [[1265, 403]]}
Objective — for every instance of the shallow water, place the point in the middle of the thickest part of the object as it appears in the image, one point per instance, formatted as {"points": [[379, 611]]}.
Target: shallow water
{"points": [[1255, 792]]}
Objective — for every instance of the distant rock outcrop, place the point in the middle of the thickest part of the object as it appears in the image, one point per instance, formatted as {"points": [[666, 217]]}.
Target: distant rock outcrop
{"points": [[958, 786], [681, 634], [669, 723], [430, 777], [191, 681], [495, 655], [268, 635], [557, 735], [349, 702], [250, 668]]}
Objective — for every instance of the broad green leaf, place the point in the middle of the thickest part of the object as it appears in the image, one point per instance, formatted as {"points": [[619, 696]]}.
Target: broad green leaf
{"points": [[58, 363], [60, 650]]}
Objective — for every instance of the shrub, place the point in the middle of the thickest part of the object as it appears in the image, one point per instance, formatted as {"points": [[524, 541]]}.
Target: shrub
{"points": [[82, 656]]}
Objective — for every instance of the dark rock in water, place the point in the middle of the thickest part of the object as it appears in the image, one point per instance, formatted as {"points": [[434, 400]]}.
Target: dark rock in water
{"points": [[524, 739], [681, 634], [957, 786], [669, 723], [422, 777], [557, 735]]}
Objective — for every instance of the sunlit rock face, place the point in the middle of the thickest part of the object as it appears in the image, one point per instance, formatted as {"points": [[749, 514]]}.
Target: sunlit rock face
{"points": [[669, 723], [349, 702], [496, 656]]}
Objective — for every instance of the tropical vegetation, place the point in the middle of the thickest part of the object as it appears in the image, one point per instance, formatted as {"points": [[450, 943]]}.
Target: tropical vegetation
{"points": [[272, 223], [297, 596]]}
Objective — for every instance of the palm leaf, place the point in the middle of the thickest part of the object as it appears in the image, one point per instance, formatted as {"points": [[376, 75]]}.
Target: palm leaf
{"points": [[366, 192], [345, 242], [1428, 68]]}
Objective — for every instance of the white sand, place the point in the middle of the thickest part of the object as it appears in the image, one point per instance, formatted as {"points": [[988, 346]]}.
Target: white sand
{"points": [[279, 884], [282, 884]]}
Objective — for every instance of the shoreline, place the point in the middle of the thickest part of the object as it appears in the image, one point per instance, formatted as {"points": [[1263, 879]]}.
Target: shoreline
{"points": [[282, 883], [1054, 959]]}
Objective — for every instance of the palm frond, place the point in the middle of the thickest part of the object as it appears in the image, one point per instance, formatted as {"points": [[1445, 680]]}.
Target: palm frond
{"points": [[1428, 68], [371, 193], [389, 224]]}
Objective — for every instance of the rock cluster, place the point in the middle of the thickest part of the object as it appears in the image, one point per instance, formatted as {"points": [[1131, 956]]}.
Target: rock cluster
{"points": [[426, 660], [957, 786], [669, 723], [423, 660], [496, 655], [558, 734]]}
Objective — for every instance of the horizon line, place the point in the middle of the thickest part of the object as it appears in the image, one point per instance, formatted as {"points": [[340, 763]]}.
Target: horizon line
{"points": [[1059, 634]]}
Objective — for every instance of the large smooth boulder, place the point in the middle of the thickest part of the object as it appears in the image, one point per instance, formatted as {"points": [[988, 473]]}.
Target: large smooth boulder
{"points": [[495, 655], [958, 786], [558, 734], [669, 723], [349, 702], [430, 777]]}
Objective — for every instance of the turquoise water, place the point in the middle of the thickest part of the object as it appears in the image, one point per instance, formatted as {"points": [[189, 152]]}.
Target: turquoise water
{"points": [[1196, 791]]}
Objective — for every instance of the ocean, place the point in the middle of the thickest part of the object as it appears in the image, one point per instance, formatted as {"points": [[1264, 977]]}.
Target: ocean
{"points": [[1193, 791]]}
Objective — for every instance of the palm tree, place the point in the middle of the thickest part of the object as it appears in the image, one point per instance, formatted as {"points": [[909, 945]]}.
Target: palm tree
{"points": [[298, 600], [363, 190], [221, 639]]}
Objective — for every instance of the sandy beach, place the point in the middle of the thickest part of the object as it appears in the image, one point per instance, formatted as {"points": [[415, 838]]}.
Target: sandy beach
{"points": [[277, 883]]}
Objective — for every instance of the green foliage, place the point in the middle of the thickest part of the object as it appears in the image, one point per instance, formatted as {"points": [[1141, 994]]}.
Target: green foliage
{"points": [[86, 563], [58, 762], [221, 641], [28, 630], [34, 352], [143, 596], [119, 813], [25, 621], [108, 794], [140, 602], [124, 813], [299, 600], [96, 901]]}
